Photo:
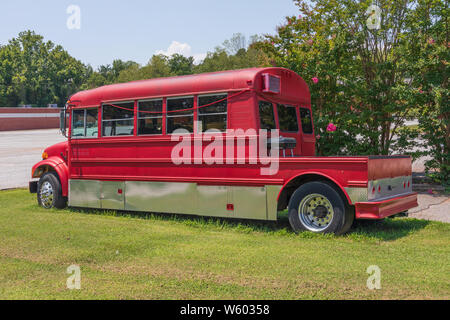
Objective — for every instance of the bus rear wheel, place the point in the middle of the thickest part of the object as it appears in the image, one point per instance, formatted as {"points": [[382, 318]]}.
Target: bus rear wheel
{"points": [[49, 192], [318, 207]]}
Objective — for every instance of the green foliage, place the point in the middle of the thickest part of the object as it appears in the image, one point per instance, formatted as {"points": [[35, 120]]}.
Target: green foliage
{"points": [[369, 81], [36, 72], [39, 73], [234, 54], [361, 82], [180, 65], [427, 56]]}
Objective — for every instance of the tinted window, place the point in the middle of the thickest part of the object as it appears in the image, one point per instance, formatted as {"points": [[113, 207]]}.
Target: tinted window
{"points": [[84, 123], [118, 119], [92, 123], [307, 126], [180, 114], [287, 115], [214, 115], [150, 117], [78, 123], [266, 115]]}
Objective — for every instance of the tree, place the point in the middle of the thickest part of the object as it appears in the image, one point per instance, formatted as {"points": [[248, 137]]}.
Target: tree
{"points": [[426, 55], [36, 72], [118, 66], [177, 64], [234, 54], [180, 65], [109, 74], [355, 72], [157, 67], [237, 42]]}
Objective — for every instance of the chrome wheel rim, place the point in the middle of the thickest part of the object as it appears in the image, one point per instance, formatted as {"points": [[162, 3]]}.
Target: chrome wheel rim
{"points": [[315, 212], [46, 195]]}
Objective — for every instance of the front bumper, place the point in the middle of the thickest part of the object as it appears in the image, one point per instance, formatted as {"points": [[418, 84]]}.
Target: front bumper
{"points": [[32, 186], [385, 208]]}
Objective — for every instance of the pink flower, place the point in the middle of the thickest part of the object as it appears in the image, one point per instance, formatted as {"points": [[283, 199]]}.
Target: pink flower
{"points": [[315, 80], [318, 137], [310, 42], [430, 191], [331, 128]]}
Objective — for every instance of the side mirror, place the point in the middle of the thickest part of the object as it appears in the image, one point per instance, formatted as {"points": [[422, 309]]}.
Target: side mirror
{"points": [[63, 121]]}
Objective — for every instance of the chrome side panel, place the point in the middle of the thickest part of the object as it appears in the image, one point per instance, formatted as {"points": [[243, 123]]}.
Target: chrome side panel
{"points": [[272, 193], [259, 203], [85, 193], [110, 196], [389, 187], [212, 201], [167, 197], [250, 202], [357, 194]]}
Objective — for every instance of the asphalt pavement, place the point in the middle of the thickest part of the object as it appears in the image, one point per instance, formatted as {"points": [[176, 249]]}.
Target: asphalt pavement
{"points": [[19, 151]]}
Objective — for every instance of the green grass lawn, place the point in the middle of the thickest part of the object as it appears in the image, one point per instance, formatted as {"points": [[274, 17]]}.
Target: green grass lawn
{"points": [[139, 256]]}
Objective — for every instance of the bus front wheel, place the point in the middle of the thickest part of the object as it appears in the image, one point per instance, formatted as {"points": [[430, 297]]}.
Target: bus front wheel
{"points": [[318, 207], [49, 192]]}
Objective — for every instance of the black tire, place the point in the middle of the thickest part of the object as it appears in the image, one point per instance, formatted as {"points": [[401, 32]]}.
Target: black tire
{"points": [[49, 184], [315, 201]]}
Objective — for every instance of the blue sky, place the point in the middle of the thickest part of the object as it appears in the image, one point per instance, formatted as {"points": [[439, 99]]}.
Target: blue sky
{"points": [[137, 29]]}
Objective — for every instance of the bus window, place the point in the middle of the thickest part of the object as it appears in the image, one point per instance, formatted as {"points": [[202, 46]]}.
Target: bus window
{"points": [[150, 117], [118, 119], [214, 116], [78, 124], [84, 123], [266, 115], [287, 115], [305, 114], [92, 123], [180, 114]]}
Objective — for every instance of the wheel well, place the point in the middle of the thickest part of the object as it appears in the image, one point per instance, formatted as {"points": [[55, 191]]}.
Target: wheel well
{"points": [[40, 171], [289, 189]]}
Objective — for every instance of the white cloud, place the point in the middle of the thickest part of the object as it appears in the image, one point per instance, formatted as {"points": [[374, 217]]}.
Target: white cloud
{"points": [[183, 49], [199, 57]]}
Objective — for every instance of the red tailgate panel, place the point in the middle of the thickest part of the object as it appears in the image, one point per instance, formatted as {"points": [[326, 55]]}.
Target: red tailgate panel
{"points": [[382, 167]]}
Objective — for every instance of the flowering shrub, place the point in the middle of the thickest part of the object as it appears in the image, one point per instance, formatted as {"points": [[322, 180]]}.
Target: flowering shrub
{"points": [[331, 128], [428, 55], [372, 80]]}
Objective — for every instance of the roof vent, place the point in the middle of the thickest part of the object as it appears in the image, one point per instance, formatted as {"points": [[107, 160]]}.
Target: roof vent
{"points": [[271, 83]]}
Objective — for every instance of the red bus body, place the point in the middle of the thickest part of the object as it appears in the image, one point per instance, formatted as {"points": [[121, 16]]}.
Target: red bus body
{"points": [[136, 173]]}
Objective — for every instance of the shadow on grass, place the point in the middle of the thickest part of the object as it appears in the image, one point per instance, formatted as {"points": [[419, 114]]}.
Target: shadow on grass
{"points": [[282, 225], [387, 229], [383, 230]]}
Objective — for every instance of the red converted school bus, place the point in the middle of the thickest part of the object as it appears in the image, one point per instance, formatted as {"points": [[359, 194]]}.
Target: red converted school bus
{"points": [[119, 155]]}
